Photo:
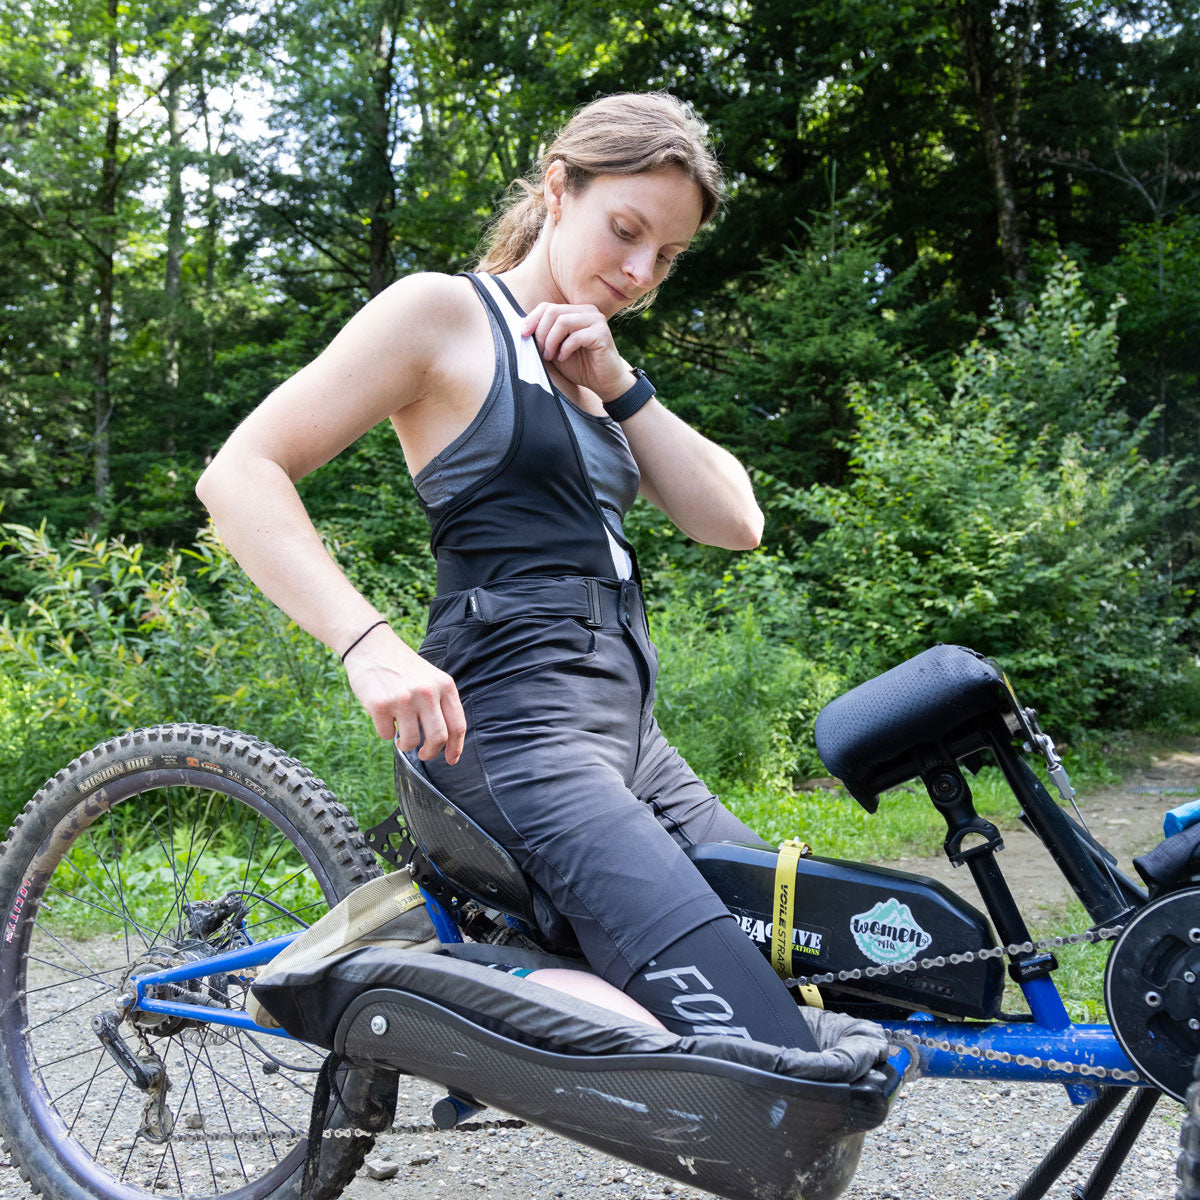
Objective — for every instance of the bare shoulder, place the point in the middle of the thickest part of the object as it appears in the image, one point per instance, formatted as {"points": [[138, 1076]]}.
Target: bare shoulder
{"points": [[428, 308], [395, 351]]}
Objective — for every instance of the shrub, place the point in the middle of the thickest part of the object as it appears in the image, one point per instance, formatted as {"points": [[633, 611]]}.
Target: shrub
{"points": [[1017, 515], [737, 705]]}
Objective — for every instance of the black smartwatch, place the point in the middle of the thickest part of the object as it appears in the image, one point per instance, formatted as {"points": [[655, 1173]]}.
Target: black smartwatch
{"points": [[626, 404]]}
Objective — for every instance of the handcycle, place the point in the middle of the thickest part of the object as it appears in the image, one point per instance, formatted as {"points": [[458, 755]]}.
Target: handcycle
{"points": [[152, 879]]}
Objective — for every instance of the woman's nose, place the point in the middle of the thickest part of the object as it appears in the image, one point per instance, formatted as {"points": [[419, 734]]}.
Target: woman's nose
{"points": [[639, 266]]}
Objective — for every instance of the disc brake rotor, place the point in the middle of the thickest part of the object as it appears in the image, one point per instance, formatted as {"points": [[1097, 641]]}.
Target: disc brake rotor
{"points": [[1152, 990]]}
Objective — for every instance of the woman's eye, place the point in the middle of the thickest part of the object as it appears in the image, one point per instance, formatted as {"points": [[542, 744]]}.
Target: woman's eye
{"points": [[622, 232]]}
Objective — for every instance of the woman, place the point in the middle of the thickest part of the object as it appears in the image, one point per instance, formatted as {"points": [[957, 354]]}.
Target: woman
{"points": [[528, 437]]}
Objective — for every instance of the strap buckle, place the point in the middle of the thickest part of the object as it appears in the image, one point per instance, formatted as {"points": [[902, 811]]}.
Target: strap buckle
{"points": [[595, 615]]}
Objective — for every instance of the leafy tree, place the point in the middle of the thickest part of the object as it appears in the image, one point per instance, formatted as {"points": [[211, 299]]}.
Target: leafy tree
{"points": [[1017, 514]]}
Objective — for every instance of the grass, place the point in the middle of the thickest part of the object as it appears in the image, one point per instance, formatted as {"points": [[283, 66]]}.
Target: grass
{"points": [[1080, 974], [906, 823]]}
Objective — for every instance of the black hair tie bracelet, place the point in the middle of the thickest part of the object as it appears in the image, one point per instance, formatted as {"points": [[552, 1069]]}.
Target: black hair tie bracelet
{"points": [[381, 621]]}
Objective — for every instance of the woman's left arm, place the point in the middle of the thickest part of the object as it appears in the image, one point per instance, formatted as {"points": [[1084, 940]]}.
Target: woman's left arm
{"points": [[701, 487]]}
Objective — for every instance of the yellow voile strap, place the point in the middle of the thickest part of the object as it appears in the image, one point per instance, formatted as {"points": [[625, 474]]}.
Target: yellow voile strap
{"points": [[790, 854]]}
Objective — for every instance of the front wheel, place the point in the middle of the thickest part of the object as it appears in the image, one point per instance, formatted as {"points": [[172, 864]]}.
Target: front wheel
{"points": [[160, 847]]}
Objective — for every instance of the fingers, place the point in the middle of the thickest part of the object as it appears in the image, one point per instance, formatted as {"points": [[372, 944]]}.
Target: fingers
{"points": [[409, 699], [430, 717], [456, 727], [554, 325]]}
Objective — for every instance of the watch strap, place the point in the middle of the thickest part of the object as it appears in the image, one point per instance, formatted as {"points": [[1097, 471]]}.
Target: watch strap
{"points": [[626, 404]]}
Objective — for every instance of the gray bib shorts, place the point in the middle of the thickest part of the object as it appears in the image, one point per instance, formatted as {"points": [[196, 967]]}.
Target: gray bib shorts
{"points": [[564, 763]]}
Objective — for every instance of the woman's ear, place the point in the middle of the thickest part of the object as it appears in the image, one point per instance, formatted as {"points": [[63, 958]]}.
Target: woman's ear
{"points": [[553, 186]]}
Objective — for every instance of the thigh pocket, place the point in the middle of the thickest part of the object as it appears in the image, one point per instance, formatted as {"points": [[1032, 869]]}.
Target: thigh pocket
{"points": [[484, 656]]}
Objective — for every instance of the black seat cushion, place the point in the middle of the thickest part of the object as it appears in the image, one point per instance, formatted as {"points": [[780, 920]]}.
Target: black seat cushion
{"points": [[865, 737]]}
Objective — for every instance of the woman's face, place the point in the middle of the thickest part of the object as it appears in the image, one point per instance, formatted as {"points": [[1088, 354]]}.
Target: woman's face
{"points": [[613, 241]]}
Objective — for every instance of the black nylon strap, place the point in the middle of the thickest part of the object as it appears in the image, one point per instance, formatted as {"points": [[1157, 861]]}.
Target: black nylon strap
{"points": [[637, 397], [597, 602]]}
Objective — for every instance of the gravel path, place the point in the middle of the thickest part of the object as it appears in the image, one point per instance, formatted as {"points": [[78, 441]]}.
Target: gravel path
{"points": [[944, 1139]]}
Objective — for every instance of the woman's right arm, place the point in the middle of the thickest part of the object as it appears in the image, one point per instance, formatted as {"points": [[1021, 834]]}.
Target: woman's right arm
{"points": [[390, 355]]}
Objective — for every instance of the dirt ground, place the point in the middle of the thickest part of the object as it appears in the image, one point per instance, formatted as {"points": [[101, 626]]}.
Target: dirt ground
{"points": [[1126, 819]]}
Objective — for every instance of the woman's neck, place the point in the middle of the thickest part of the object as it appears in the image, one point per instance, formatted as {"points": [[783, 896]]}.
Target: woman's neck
{"points": [[531, 281]]}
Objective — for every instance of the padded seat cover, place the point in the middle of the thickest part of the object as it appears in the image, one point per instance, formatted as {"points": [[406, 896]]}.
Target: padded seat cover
{"points": [[309, 1003], [865, 737]]}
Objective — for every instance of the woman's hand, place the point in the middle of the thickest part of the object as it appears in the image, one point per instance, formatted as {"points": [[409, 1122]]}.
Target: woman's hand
{"points": [[407, 698], [576, 341]]}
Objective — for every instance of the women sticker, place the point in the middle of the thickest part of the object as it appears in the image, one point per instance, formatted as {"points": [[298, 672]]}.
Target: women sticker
{"points": [[888, 933]]}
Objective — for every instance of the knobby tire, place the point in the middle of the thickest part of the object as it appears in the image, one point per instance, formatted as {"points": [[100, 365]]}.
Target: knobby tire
{"points": [[94, 876]]}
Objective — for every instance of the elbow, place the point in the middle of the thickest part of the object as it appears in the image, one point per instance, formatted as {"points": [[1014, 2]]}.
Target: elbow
{"points": [[206, 485], [744, 533], [750, 533], [218, 481]]}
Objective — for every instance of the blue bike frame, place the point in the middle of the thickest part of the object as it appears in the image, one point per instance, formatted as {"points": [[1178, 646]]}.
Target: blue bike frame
{"points": [[1029, 1048]]}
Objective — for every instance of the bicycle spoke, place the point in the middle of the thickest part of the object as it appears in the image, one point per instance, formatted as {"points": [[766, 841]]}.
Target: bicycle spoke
{"points": [[120, 889], [279, 845], [220, 1078], [170, 1149], [115, 1109], [257, 1102], [168, 854], [250, 855], [112, 912], [106, 907], [83, 1099], [66, 1012], [55, 966], [194, 859], [316, 904], [212, 1169], [54, 1100], [225, 1110], [53, 1062]]}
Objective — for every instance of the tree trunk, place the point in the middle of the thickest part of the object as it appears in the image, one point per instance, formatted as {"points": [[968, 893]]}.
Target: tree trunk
{"points": [[102, 402], [973, 19], [174, 264], [212, 229], [382, 267]]}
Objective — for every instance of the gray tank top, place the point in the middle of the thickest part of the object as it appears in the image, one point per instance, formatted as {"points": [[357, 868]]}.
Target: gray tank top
{"points": [[479, 449]]}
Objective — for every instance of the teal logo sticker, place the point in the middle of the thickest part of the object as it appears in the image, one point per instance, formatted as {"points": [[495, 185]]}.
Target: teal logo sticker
{"points": [[888, 933]]}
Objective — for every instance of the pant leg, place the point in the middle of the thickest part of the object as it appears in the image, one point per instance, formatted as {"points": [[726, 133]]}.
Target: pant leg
{"points": [[552, 743], [714, 981], [681, 801]]}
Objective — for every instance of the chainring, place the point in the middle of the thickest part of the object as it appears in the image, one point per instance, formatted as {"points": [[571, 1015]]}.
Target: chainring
{"points": [[1152, 990]]}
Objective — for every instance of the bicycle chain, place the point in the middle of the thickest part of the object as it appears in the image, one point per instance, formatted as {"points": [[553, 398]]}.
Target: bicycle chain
{"points": [[897, 1037], [264, 1135], [902, 1037]]}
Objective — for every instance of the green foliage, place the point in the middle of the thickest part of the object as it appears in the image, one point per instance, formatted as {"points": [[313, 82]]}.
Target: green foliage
{"points": [[111, 639], [1016, 514], [827, 315], [740, 707]]}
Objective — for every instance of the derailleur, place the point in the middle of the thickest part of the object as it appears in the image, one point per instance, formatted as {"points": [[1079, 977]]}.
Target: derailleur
{"points": [[145, 1071]]}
